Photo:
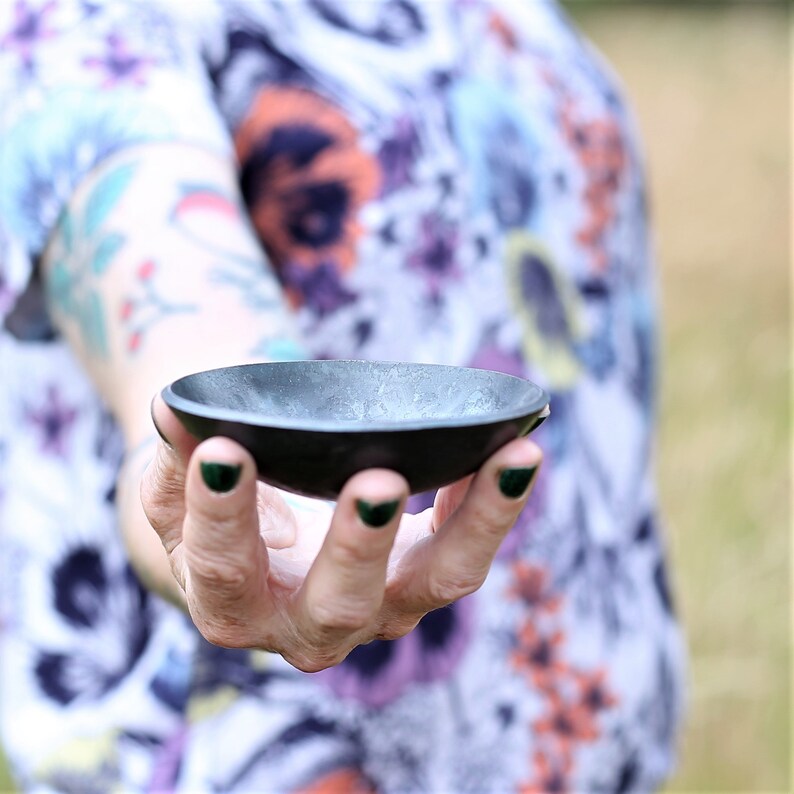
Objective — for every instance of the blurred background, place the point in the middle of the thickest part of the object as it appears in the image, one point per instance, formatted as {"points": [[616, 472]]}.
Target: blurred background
{"points": [[711, 87]]}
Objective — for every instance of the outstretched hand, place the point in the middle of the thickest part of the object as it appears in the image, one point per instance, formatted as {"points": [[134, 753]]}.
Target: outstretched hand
{"points": [[263, 569]]}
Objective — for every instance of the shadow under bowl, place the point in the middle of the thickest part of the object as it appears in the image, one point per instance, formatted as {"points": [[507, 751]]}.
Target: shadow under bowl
{"points": [[311, 425]]}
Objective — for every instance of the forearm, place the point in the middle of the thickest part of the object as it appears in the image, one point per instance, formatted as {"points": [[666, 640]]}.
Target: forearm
{"points": [[154, 272]]}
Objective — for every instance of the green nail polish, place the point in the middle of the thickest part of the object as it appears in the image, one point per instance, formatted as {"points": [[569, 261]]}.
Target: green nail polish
{"points": [[220, 477], [376, 516], [514, 482]]}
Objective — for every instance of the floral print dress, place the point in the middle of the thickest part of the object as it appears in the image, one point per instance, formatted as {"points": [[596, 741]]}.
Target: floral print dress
{"points": [[453, 181]]}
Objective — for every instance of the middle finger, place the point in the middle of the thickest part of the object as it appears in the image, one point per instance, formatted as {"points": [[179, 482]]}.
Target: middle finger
{"points": [[344, 588]]}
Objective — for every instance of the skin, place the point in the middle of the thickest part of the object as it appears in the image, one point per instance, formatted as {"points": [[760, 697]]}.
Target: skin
{"points": [[153, 273]]}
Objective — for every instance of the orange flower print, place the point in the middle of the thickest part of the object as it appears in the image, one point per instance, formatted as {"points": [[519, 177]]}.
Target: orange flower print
{"points": [[551, 776], [537, 655], [568, 723], [304, 177], [503, 31], [594, 695], [531, 587], [341, 781], [599, 147]]}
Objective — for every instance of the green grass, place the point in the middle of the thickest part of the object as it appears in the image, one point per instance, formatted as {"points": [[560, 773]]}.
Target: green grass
{"points": [[5, 778]]}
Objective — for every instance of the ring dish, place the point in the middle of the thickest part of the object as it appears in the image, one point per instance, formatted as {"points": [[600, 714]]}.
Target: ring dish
{"points": [[311, 425]]}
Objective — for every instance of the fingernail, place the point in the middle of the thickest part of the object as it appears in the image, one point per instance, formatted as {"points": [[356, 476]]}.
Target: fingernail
{"points": [[220, 477], [376, 516], [513, 483], [157, 427]]}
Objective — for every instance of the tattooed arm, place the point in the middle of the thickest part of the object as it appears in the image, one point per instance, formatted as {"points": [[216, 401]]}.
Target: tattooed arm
{"points": [[152, 240], [153, 272]]}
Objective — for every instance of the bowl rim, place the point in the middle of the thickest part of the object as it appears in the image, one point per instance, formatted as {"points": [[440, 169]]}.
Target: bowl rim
{"points": [[534, 401]]}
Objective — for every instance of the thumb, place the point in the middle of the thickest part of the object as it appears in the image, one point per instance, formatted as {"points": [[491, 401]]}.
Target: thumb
{"points": [[175, 439], [225, 559]]}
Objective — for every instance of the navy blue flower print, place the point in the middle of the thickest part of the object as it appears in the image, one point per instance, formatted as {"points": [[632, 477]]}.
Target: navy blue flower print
{"points": [[215, 668], [111, 611], [663, 587], [394, 22], [378, 673], [171, 683], [539, 290], [28, 318], [79, 585]]}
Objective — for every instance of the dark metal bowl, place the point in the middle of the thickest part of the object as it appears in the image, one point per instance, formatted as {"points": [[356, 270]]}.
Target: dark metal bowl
{"points": [[311, 425]]}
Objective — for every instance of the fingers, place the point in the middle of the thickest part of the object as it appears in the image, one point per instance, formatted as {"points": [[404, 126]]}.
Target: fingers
{"points": [[163, 482], [343, 591], [456, 559], [224, 557], [173, 435]]}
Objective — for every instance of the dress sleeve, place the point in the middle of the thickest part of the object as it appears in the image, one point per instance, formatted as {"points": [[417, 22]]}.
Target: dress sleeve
{"points": [[80, 80]]}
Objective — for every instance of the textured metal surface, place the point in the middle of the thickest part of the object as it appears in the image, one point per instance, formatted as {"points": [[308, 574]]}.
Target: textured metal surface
{"points": [[311, 425]]}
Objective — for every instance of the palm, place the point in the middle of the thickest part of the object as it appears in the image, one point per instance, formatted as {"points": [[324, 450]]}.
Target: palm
{"points": [[294, 528]]}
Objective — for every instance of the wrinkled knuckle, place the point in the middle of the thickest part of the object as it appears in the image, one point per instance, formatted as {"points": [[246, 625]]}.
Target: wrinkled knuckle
{"points": [[161, 499], [395, 630], [314, 662], [164, 480], [222, 576], [348, 555], [223, 635], [447, 589]]}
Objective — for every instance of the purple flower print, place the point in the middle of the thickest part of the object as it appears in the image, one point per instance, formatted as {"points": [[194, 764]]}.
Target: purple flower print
{"points": [[397, 155], [434, 257], [168, 761], [490, 356], [528, 518], [119, 65], [7, 295], [320, 288], [378, 673], [54, 421], [29, 28]]}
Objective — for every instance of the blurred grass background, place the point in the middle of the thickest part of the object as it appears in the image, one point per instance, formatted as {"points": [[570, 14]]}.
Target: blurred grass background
{"points": [[711, 87], [710, 83]]}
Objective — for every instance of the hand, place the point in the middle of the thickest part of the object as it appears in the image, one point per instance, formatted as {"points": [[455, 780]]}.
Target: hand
{"points": [[262, 569]]}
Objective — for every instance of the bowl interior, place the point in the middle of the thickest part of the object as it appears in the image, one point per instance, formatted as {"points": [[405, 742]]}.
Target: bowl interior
{"points": [[355, 395]]}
